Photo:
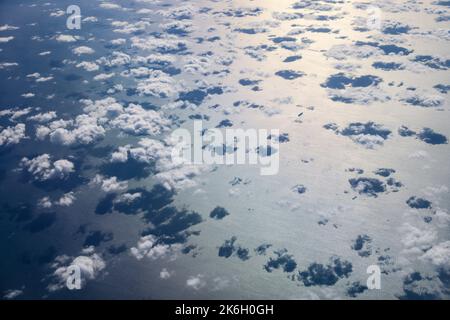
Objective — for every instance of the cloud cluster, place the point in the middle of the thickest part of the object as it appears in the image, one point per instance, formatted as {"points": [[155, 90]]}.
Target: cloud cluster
{"points": [[89, 263], [42, 168], [12, 135]]}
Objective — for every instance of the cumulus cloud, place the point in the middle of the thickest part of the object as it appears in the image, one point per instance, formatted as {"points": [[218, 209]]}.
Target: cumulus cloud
{"points": [[165, 274], [12, 135], [109, 184], [415, 239], [148, 246], [99, 116], [65, 200], [109, 5], [42, 168], [89, 263], [65, 38], [43, 117], [171, 175], [345, 51], [83, 50], [104, 76], [196, 282], [157, 84], [439, 255], [85, 129], [116, 58], [138, 121]]}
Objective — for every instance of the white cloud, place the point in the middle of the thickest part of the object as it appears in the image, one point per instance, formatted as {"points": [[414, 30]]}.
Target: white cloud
{"points": [[118, 41], [128, 197], [12, 135], [439, 255], [38, 77], [149, 247], [90, 263], [109, 184], [179, 12], [170, 174], [137, 120], [88, 66], [6, 39], [417, 239], [90, 19], [66, 200], [196, 282], [4, 65], [45, 203], [42, 168], [158, 84], [7, 27], [117, 59], [84, 130], [358, 95], [12, 294], [83, 50], [128, 28], [104, 76], [43, 117], [161, 45], [165, 274], [101, 115], [65, 38], [345, 51], [109, 5], [57, 13]]}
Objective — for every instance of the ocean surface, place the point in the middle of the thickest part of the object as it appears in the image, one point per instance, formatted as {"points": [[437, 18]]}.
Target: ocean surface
{"points": [[357, 89]]}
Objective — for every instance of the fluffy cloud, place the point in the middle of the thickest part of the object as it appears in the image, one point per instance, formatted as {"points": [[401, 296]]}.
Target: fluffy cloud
{"points": [[100, 116], [165, 274], [109, 5], [439, 255], [89, 263], [65, 38], [179, 12], [117, 58], [7, 27], [417, 238], [84, 130], [6, 39], [12, 135], [157, 84], [149, 247], [196, 282], [170, 174], [168, 44], [345, 51], [88, 66], [83, 50], [109, 184], [104, 76], [65, 201], [43, 117], [42, 168], [136, 120]]}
